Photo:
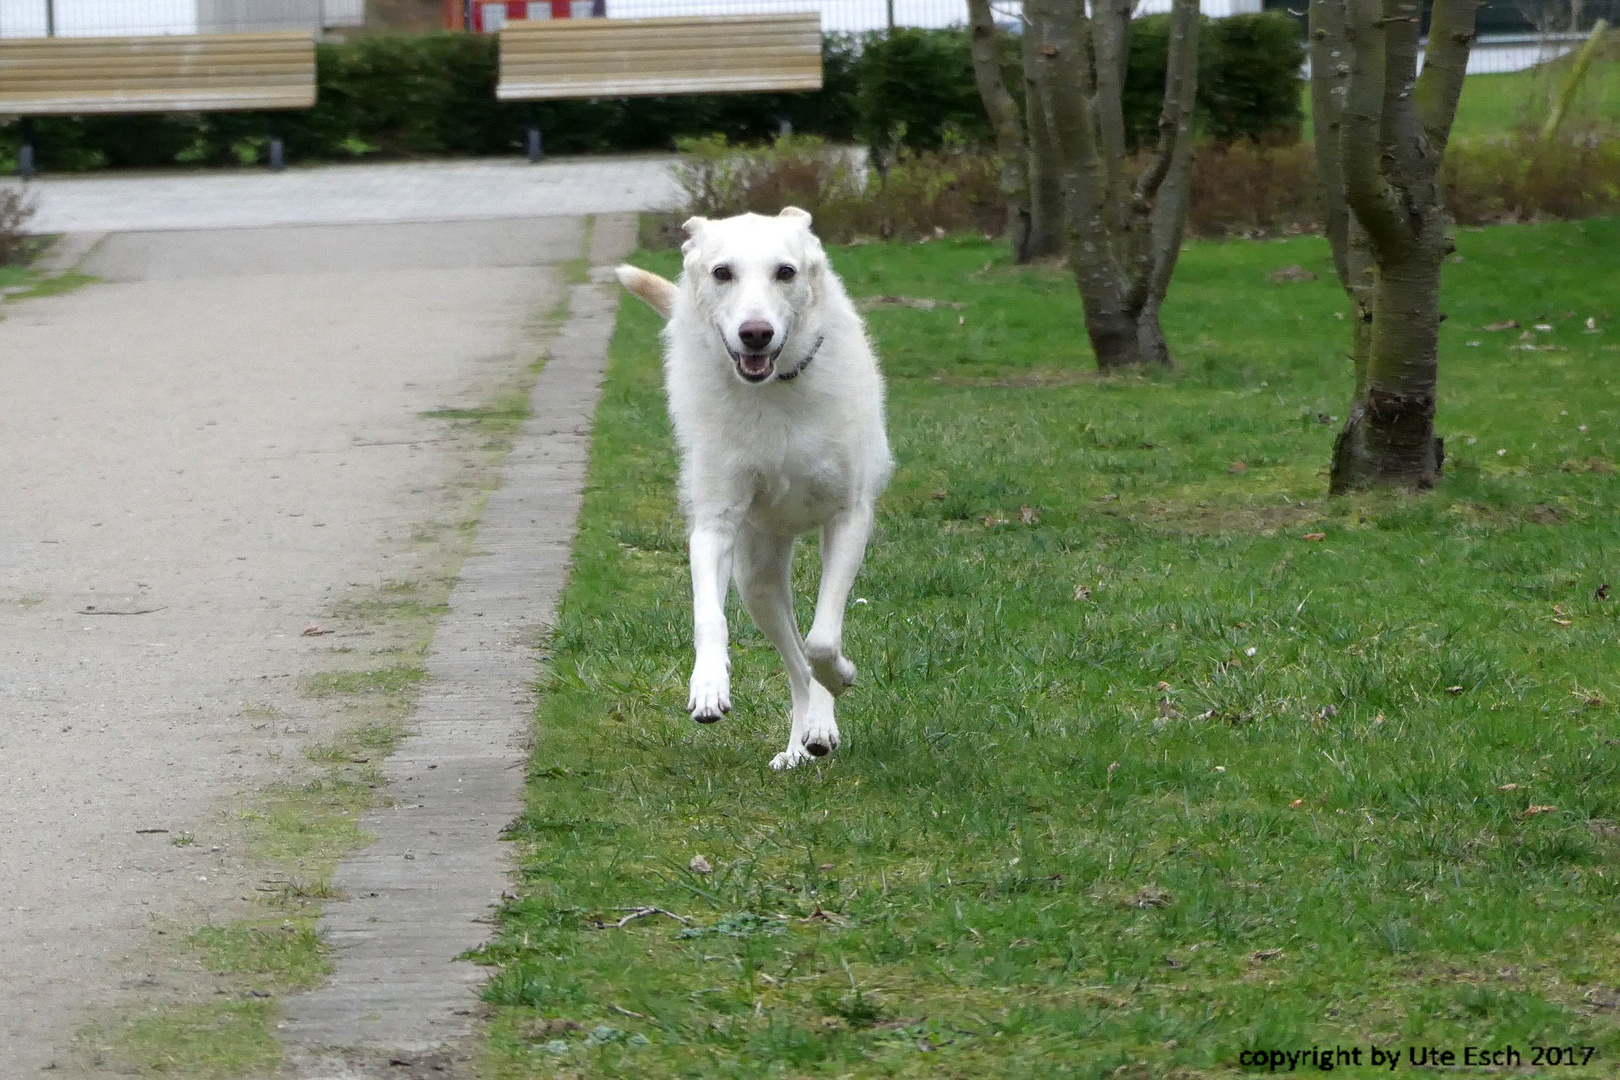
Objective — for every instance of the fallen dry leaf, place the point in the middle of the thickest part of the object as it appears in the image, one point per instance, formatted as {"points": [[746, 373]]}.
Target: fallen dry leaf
{"points": [[1028, 515], [939, 494], [1238, 467], [818, 915], [1454, 690], [1508, 787], [1265, 954], [920, 303], [1533, 809], [700, 865], [825, 866], [1284, 275], [1511, 324], [1082, 593], [992, 520], [1151, 896], [1164, 685], [1296, 804], [1113, 767], [1314, 536], [316, 630], [1543, 326]]}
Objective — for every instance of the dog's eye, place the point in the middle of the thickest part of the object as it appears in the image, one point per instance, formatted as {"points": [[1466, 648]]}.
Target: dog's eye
{"points": [[785, 273], [722, 273]]}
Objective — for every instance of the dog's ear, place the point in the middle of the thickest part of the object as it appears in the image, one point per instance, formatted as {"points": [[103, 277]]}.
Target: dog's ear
{"points": [[692, 227], [793, 213]]}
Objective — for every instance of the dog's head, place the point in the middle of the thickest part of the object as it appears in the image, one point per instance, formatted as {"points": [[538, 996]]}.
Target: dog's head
{"points": [[757, 281]]}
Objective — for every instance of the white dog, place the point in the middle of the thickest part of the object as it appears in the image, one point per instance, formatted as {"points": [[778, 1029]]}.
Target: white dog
{"points": [[777, 404]]}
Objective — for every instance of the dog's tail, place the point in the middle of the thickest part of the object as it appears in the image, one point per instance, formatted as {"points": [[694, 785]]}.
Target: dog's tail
{"points": [[659, 293]]}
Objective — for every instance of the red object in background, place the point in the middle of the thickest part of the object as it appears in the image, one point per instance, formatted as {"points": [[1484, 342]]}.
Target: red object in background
{"points": [[487, 16]]}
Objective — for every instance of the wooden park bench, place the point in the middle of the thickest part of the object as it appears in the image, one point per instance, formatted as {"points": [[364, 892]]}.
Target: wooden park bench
{"points": [[68, 76], [551, 60]]}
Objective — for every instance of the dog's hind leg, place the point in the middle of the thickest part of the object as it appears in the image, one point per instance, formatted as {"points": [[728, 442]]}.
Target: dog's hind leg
{"points": [[843, 546], [710, 548], [765, 580]]}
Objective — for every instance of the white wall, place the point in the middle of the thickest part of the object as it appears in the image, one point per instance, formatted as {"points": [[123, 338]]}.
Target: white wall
{"points": [[99, 18]]}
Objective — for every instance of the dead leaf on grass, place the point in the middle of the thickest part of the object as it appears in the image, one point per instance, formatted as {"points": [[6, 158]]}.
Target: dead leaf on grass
{"points": [[1284, 275], [1238, 467], [1314, 536], [1508, 787], [1081, 592], [920, 303], [315, 630], [1533, 809], [1495, 327], [700, 865], [818, 915], [1262, 955], [1296, 804], [1028, 515], [1151, 896], [939, 494]]}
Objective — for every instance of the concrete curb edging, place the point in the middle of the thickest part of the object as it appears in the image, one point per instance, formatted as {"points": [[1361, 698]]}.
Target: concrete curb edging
{"points": [[421, 894]]}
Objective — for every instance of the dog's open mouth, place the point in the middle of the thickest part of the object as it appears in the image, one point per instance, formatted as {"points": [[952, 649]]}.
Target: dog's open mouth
{"points": [[755, 367]]}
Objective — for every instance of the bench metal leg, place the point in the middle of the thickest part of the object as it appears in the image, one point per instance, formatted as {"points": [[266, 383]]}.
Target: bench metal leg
{"points": [[278, 155], [535, 147], [26, 166]]}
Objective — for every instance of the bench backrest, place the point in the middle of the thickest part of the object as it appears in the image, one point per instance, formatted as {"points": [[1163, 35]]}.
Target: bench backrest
{"points": [[584, 58], [177, 73]]}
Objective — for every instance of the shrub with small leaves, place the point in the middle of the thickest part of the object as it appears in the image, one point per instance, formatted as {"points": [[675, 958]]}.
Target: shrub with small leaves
{"points": [[16, 208]]}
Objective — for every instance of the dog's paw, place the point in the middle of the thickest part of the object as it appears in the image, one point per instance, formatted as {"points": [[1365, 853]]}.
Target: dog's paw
{"points": [[820, 737], [833, 670], [791, 757], [710, 698]]}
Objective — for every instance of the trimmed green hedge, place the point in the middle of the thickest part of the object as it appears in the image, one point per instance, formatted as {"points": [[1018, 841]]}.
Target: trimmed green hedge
{"points": [[434, 94]]}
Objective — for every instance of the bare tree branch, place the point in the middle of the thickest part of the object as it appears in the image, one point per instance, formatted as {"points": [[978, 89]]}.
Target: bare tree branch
{"points": [[1330, 88], [1180, 93], [1451, 36], [1365, 187], [1003, 113]]}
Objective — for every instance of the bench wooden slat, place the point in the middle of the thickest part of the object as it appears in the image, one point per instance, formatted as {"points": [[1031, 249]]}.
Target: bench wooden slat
{"points": [[179, 73], [549, 60]]}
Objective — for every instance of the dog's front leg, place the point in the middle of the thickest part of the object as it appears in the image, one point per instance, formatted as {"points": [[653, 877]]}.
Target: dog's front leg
{"points": [[843, 546], [710, 548]]}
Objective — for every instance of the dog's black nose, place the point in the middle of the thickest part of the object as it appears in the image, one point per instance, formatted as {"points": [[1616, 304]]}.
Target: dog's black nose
{"points": [[756, 335]]}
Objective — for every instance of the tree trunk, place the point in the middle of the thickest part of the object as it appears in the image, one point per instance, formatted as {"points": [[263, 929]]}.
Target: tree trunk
{"points": [[1062, 78], [1381, 136], [1003, 113], [1045, 173]]}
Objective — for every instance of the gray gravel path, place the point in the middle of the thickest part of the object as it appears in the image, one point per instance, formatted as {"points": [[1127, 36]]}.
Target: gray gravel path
{"points": [[201, 453]]}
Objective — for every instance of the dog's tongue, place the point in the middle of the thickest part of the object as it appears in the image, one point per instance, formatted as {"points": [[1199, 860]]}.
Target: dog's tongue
{"points": [[755, 365]]}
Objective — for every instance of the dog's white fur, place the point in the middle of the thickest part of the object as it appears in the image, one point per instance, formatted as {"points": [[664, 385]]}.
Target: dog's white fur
{"points": [[775, 440]]}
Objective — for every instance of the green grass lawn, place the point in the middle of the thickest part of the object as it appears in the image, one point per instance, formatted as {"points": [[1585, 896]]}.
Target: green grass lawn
{"points": [[1138, 778]]}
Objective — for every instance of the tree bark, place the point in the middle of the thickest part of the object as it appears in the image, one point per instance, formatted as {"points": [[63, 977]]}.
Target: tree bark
{"points": [[1123, 239], [1382, 133], [1003, 113], [1045, 172]]}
